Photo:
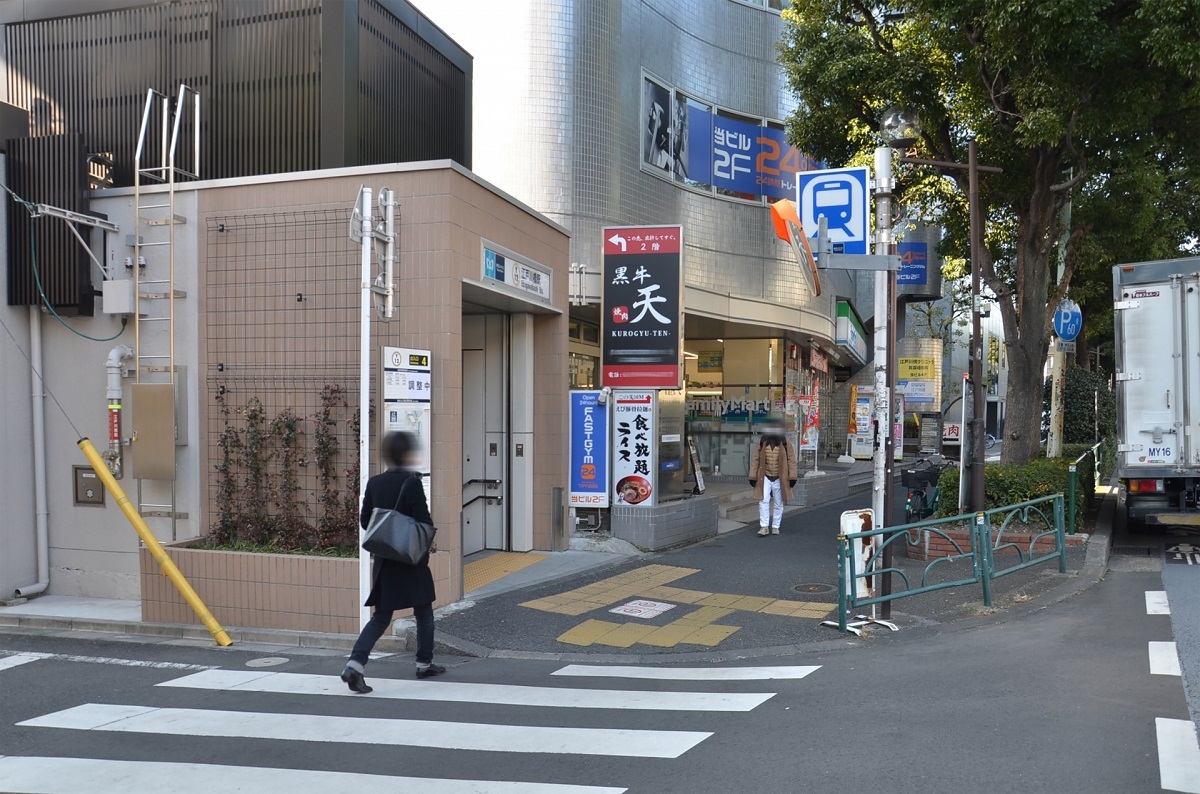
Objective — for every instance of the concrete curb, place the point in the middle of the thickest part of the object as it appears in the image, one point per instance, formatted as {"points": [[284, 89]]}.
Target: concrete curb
{"points": [[1094, 567]]}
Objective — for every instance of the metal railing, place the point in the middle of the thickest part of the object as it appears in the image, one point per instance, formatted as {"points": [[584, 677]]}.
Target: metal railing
{"points": [[1097, 465], [990, 532]]}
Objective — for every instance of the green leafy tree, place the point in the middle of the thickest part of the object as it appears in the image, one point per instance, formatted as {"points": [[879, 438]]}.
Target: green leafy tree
{"points": [[1096, 102]]}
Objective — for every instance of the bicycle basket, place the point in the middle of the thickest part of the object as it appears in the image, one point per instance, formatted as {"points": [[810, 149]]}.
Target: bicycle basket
{"points": [[919, 478]]}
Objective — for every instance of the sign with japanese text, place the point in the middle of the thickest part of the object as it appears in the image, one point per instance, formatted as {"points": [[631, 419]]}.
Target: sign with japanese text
{"points": [[503, 267], [641, 343], [588, 476], [810, 410], [407, 386], [705, 147], [914, 262], [634, 447]]}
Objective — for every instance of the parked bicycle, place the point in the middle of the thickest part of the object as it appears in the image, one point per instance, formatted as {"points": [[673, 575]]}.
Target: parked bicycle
{"points": [[922, 484]]}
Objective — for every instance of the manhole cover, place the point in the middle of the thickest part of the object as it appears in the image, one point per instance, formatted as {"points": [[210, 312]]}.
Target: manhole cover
{"points": [[267, 661], [815, 588]]}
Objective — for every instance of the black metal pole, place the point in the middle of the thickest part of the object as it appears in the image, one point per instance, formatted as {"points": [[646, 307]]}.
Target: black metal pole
{"points": [[978, 419]]}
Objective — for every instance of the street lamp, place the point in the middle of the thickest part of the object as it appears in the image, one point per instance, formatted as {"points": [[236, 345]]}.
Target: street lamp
{"points": [[973, 168], [899, 130]]}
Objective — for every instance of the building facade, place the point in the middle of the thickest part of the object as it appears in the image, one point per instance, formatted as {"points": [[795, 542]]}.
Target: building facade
{"points": [[235, 289], [648, 112]]}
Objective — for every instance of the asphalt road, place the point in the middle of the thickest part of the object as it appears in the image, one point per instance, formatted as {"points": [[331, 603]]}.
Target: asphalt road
{"points": [[1059, 700]]}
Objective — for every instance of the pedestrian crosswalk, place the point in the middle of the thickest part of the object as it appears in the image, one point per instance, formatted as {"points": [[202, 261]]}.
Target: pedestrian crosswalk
{"points": [[686, 705]]}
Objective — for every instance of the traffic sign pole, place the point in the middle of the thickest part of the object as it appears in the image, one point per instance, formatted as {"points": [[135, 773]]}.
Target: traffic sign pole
{"points": [[1068, 323]]}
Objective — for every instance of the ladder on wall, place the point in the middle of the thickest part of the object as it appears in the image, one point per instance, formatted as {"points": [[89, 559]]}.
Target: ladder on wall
{"points": [[162, 157]]}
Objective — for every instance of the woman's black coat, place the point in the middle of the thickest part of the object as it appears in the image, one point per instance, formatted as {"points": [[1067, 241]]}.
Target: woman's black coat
{"points": [[395, 585]]}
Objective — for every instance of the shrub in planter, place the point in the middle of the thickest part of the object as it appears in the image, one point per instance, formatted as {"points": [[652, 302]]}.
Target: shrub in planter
{"points": [[1011, 483]]}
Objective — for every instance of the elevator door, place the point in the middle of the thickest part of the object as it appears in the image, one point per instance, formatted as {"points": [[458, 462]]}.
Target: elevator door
{"points": [[485, 433]]}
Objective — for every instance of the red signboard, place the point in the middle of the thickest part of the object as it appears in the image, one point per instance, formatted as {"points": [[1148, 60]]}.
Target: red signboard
{"points": [[642, 309]]}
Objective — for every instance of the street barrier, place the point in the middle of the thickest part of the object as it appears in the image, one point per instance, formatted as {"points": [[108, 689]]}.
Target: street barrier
{"points": [[1097, 474], [991, 532]]}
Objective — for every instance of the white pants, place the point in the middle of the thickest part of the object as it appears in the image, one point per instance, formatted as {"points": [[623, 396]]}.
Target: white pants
{"points": [[772, 497]]}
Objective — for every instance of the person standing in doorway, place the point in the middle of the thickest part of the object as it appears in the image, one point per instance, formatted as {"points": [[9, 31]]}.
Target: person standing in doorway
{"points": [[773, 476], [395, 585]]}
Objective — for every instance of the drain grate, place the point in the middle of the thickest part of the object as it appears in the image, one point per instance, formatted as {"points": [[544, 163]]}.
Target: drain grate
{"points": [[815, 588], [1134, 551]]}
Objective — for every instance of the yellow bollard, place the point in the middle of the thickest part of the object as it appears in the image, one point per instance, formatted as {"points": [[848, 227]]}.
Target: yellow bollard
{"points": [[156, 549]]}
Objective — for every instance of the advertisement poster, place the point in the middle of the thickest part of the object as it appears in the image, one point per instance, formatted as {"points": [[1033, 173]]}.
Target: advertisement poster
{"points": [[641, 343], [811, 411], [633, 443], [588, 477], [702, 146], [862, 432]]}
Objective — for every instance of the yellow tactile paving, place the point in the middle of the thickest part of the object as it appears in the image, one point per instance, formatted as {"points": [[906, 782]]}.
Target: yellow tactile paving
{"points": [[697, 626], [588, 632], [496, 566], [751, 603], [703, 616], [719, 600], [626, 635], [610, 591], [668, 636], [709, 635]]}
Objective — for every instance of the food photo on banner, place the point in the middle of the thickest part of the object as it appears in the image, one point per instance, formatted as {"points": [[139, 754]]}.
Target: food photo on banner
{"points": [[641, 345], [633, 448]]}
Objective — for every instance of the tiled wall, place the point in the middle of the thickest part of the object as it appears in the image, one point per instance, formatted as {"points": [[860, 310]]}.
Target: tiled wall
{"points": [[442, 215], [266, 591], [667, 525]]}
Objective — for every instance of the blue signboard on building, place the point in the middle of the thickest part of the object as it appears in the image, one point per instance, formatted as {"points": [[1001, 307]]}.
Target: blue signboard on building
{"points": [[914, 263], [589, 471]]}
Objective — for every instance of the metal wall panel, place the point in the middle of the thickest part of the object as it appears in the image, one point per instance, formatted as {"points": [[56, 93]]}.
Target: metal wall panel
{"points": [[413, 100], [257, 66], [48, 170]]}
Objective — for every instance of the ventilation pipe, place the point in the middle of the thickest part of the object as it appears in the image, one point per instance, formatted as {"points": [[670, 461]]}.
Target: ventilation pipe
{"points": [[114, 456], [41, 512]]}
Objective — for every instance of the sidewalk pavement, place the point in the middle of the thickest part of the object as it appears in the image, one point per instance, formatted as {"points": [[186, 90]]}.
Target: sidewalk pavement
{"points": [[735, 595]]}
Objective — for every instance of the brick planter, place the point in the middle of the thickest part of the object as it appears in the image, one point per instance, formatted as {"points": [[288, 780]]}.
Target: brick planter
{"points": [[932, 546], [264, 591]]}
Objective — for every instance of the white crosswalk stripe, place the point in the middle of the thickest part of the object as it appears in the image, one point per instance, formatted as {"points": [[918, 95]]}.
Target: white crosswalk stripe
{"points": [[500, 694], [290, 722], [361, 730], [41, 775], [688, 673]]}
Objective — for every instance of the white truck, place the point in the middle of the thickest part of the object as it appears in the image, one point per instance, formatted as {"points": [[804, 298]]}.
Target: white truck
{"points": [[1156, 319]]}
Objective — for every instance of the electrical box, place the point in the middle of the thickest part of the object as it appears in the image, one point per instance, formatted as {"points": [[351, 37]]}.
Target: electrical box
{"points": [[117, 296], [88, 488]]}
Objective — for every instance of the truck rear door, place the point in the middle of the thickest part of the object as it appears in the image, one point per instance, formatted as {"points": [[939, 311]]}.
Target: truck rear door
{"points": [[1157, 323]]}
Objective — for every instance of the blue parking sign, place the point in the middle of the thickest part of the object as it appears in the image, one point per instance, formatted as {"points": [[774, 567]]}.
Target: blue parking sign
{"points": [[1068, 320], [843, 197]]}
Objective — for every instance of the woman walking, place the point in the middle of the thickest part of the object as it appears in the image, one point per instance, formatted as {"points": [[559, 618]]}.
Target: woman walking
{"points": [[395, 585], [773, 476]]}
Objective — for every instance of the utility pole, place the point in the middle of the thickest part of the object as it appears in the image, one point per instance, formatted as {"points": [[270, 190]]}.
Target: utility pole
{"points": [[979, 418], [881, 502]]}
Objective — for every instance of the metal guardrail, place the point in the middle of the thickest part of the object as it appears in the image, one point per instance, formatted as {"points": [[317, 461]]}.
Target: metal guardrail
{"points": [[980, 548], [1097, 460]]}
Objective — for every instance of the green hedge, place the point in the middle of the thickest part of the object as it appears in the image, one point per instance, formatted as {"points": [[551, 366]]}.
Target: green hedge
{"points": [[1010, 484]]}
